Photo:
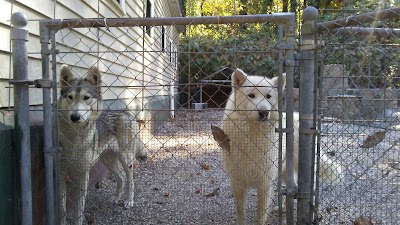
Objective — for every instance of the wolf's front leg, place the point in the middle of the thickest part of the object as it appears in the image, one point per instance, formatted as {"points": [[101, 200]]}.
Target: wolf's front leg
{"points": [[111, 161], [63, 190], [239, 194], [78, 189], [265, 196], [130, 186]]}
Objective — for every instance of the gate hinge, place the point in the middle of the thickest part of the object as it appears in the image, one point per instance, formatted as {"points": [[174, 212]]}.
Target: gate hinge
{"points": [[284, 130], [39, 83], [293, 63], [311, 130], [303, 195], [53, 150], [291, 193], [50, 51], [43, 83], [304, 56]]}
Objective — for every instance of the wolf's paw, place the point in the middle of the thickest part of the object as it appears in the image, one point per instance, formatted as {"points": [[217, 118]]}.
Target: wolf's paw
{"points": [[128, 204], [141, 155]]}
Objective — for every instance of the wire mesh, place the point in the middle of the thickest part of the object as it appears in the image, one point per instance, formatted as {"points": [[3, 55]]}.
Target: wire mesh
{"points": [[175, 86], [358, 100]]}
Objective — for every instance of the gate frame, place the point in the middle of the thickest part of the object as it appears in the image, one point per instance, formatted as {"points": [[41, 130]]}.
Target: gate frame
{"points": [[49, 27]]}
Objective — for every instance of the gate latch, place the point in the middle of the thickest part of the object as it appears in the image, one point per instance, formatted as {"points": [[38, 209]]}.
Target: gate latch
{"points": [[39, 83]]}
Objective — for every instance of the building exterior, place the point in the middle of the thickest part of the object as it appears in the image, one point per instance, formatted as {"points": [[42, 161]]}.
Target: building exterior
{"points": [[139, 63], [139, 67]]}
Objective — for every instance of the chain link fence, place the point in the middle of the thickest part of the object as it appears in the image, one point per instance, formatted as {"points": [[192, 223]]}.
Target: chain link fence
{"points": [[176, 85], [358, 104]]}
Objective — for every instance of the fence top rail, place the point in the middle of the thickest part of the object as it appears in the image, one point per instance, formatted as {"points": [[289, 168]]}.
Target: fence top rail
{"points": [[368, 31], [359, 19], [56, 24]]}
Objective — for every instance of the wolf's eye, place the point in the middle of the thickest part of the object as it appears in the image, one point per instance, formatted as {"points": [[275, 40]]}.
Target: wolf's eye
{"points": [[70, 97], [86, 97], [268, 96], [251, 95]]}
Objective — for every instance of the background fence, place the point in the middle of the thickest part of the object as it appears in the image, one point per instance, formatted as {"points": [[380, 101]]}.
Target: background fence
{"points": [[358, 104]]}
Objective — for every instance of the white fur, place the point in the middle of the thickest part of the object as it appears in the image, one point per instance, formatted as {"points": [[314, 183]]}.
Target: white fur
{"points": [[249, 122]]}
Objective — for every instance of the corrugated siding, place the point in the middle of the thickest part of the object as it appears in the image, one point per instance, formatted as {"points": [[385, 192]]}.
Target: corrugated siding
{"points": [[126, 56]]}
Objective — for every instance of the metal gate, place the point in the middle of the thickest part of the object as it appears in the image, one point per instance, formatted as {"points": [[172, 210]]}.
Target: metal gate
{"points": [[174, 102]]}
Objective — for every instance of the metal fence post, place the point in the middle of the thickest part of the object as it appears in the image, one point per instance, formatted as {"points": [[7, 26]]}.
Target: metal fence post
{"points": [[19, 37], [306, 115], [290, 33], [48, 148]]}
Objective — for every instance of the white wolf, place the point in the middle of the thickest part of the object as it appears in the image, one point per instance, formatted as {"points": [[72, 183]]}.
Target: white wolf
{"points": [[87, 133], [251, 157]]}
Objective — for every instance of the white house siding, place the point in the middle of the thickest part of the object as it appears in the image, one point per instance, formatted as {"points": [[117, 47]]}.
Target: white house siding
{"points": [[124, 55]]}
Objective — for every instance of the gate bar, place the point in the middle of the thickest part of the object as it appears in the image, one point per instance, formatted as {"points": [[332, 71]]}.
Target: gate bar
{"points": [[19, 37], [360, 19], [277, 18], [290, 34]]}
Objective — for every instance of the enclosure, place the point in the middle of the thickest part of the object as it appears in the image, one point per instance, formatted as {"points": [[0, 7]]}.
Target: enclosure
{"points": [[340, 75]]}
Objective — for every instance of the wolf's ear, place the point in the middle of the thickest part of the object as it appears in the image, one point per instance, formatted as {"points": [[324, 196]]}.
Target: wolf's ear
{"points": [[66, 75], [275, 81], [94, 76], [238, 77]]}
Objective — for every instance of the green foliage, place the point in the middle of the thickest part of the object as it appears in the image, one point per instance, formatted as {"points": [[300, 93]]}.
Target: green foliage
{"points": [[251, 49], [371, 62]]}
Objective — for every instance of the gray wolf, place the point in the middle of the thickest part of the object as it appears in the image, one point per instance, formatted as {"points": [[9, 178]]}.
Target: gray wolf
{"points": [[251, 160], [87, 133]]}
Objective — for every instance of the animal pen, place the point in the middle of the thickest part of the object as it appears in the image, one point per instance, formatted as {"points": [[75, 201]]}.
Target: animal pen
{"points": [[347, 74]]}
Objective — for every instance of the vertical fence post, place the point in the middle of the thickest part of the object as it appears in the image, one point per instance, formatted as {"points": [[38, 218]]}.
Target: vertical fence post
{"points": [[19, 37], [290, 32], [306, 114], [48, 148]]}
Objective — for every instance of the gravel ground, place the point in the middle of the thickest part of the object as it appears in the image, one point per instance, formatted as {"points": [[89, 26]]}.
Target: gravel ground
{"points": [[372, 175], [182, 181]]}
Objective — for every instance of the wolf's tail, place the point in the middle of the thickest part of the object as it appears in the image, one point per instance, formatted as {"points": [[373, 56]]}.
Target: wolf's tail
{"points": [[330, 171]]}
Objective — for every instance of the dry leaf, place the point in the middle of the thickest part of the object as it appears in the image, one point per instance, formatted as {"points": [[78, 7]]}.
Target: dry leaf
{"points": [[205, 166], [362, 221], [221, 138], [89, 219], [99, 185], [67, 179], [373, 140], [215, 192], [331, 153]]}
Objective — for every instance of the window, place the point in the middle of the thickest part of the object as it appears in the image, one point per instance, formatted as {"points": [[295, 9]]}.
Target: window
{"points": [[149, 12], [163, 39], [170, 52], [119, 4]]}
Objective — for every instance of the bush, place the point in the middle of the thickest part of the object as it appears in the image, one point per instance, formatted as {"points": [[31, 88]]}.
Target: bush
{"points": [[252, 49]]}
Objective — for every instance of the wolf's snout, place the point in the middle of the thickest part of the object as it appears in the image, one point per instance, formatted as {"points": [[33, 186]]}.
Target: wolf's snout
{"points": [[263, 114], [75, 117]]}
